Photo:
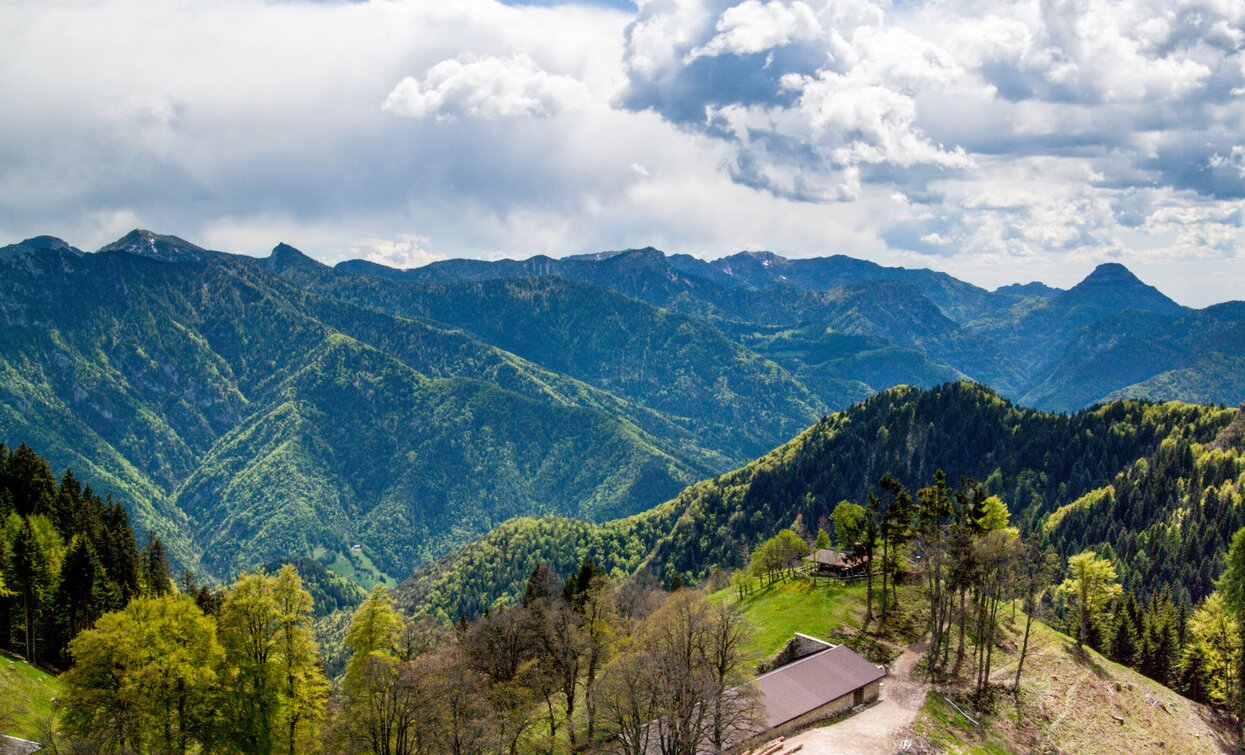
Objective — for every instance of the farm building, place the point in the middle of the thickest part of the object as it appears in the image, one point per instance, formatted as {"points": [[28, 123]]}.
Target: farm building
{"points": [[832, 563], [822, 682]]}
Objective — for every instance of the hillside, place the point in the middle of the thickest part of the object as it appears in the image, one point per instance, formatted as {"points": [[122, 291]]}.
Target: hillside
{"points": [[1168, 516], [152, 379], [1035, 461], [26, 695], [725, 396], [1071, 702]]}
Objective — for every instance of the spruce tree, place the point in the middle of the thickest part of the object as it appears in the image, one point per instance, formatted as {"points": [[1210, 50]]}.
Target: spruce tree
{"points": [[119, 554], [1124, 638], [31, 578], [66, 505], [155, 566], [80, 591], [29, 481]]}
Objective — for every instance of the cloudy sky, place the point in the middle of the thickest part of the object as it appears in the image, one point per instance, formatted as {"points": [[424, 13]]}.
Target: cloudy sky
{"points": [[999, 141]]}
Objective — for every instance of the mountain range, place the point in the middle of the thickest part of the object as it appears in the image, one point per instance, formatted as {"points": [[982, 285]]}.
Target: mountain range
{"points": [[374, 419]]}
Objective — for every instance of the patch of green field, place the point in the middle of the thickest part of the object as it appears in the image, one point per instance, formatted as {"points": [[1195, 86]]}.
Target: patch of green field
{"points": [[26, 695], [358, 568], [797, 605]]}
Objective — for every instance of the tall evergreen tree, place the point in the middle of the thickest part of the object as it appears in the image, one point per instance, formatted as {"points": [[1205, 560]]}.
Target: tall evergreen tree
{"points": [[81, 591], [155, 566], [31, 580], [29, 480], [118, 553]]}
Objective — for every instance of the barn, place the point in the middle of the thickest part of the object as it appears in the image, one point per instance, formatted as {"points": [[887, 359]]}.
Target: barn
{"points": [[823, 681]]}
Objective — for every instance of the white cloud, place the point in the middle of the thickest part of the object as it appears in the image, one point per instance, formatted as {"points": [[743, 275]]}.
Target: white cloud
{"points": [[487, 87], [754, 26], [406, 251], [995, 139]]}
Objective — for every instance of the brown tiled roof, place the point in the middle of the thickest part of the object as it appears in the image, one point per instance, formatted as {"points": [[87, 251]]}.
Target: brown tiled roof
{"points": [[830, 557], [811, 682]]}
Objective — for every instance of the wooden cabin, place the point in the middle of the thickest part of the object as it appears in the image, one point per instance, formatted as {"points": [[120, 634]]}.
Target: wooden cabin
{"points": [[827, 562]]}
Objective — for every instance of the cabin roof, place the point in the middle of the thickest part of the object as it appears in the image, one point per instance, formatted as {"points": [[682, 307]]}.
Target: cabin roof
{"points": [[828, 557], [791, 691]]}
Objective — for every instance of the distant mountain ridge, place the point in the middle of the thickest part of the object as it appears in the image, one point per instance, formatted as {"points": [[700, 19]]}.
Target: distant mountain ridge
{"points": [[250, 408], [1016, 338]]}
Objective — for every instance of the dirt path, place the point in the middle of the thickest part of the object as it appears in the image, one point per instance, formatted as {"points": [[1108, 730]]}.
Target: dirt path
{"points": [[875, 729]]}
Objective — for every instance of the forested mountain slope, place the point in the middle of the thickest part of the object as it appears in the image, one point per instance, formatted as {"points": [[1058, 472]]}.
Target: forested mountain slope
{"points": [[724, 395], [1109, 335], [1168, 517], [236, 414], [1037, 462], [248, 409]]}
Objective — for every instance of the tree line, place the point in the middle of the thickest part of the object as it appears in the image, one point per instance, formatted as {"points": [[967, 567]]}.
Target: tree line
{"points": [[67, 557], [236, 673]]}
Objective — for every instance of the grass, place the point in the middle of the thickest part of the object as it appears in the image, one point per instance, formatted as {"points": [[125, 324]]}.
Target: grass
{"points": [[364, 573], [1070, 701], [947, 730], [778, 611], [30, 691]]}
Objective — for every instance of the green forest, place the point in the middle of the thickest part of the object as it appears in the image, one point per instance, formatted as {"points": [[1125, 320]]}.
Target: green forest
{"points": [[265, 505], [581, 660], [1046, 466], [235, 405]]}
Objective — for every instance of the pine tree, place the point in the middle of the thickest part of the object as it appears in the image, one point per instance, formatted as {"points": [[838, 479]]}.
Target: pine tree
{"points": [[29, 481], [31, 579], [80, 591], [66, 505], [118, 553], [1124, 638], [155, 566]]}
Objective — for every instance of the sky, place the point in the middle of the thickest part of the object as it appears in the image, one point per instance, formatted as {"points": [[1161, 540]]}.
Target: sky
{"points": [[998, 141]]}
